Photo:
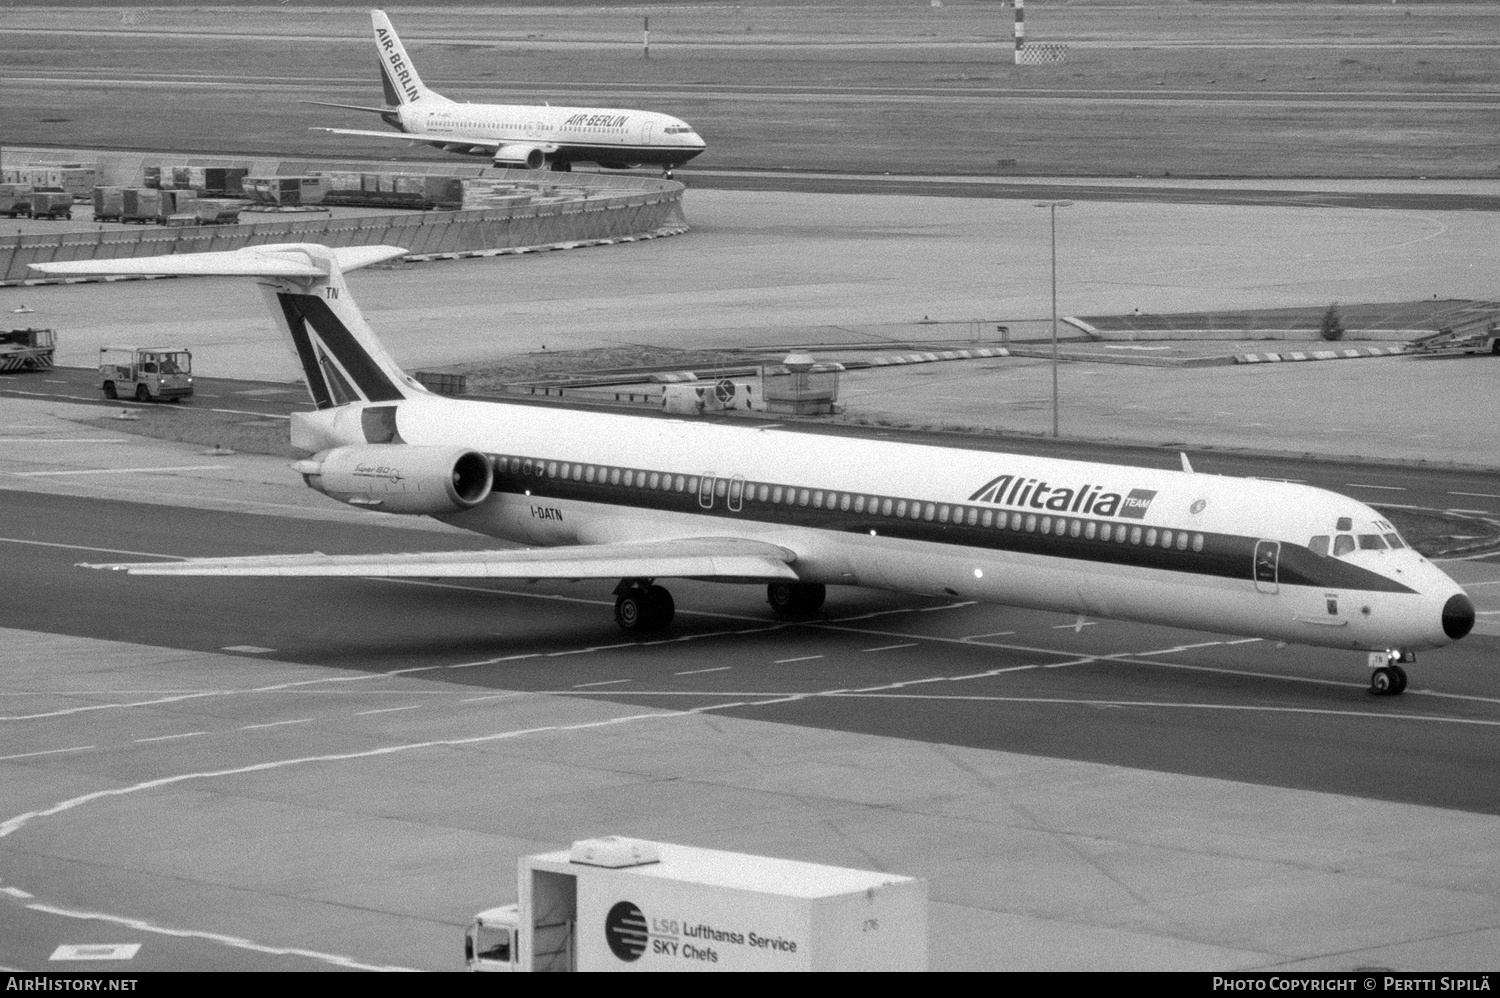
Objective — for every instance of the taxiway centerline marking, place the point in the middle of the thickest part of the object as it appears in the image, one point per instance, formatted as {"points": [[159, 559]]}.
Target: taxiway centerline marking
{"points": [[386, 710], [602, 682], [1476, 495], [696, 672], [904, 644], [55, 751], [277, 724], [1383, 488], [804, 658], [167, 738]]}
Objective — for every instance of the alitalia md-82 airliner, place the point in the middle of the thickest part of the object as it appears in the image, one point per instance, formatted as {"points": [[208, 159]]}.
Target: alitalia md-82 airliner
{"points": [[640, 498], [517, 135]]}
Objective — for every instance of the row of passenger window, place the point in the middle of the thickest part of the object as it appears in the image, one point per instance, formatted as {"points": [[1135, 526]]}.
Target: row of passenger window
{"points": [[736, 492]]}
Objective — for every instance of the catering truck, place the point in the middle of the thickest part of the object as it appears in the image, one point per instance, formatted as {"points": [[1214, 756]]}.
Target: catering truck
{"points": [[631, 905]]}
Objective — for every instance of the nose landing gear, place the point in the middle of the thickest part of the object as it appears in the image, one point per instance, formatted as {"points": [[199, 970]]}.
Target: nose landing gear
{"points": [[1388, 678]]}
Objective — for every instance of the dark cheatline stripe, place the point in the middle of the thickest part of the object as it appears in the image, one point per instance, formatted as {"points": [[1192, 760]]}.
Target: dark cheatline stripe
{"points": [[1227, 556], [369, 380]]}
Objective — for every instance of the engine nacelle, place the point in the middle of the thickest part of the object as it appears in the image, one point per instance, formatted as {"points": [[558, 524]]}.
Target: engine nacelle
{"points": [[528, 157], [402, 478]]}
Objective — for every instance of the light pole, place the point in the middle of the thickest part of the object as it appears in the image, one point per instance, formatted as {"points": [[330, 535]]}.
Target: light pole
{"points": [[1052, 206]]}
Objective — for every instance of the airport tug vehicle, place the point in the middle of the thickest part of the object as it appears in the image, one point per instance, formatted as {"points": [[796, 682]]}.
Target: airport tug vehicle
{"points": [[146, 374]]}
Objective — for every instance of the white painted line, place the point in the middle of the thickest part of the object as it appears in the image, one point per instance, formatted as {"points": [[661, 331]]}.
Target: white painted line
{"points": [[1383, 488], [276, 724], [602, 682], [84, 547], [494, 696], [696, 672], [804, 658], [55, 751], [16, 892], [62, 440], [1074, 626], [948, 606], [96, 951], [124, 471], [494, 661], [992, 634], [167, 738], [585, 651], [904, 644], [213, 937], [248, 649], [386, 710], [1476, 495]]}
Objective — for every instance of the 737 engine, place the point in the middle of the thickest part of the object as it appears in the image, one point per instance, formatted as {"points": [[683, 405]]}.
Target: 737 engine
{"points": [[401, 478], [520, 155]]}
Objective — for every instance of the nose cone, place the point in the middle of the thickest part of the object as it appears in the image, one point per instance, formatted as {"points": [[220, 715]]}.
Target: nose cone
{"points": [[1458, 616]]}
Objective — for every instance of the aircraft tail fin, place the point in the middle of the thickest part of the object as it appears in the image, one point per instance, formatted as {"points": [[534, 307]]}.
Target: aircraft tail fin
{"points": [[341, 359], [398, 76]]}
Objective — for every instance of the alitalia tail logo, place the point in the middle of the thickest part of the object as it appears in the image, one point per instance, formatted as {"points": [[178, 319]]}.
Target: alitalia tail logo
{"points": [[1090, 500]]}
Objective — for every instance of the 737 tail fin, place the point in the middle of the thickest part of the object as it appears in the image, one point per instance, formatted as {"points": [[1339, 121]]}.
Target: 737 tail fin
{"points": [[397, 73], [305, 291]]}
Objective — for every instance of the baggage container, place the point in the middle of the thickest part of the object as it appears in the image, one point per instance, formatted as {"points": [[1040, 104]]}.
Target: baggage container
{"points": [[51, 204], [109, 203], [15, 200]]}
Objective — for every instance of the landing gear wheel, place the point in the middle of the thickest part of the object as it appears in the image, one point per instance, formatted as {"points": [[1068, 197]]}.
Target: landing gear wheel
{"points": [[109, 390], [1388, 681], [661, 608], [795, 599], [644, 608], [142, 393]]}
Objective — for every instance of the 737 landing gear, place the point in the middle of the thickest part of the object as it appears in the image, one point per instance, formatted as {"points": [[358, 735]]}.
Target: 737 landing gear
{"points": [[1388, 678], [641, 606], [795, 599]]}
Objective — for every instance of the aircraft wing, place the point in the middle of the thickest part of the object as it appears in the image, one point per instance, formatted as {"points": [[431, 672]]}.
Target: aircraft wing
{"points": [[685, 558]]}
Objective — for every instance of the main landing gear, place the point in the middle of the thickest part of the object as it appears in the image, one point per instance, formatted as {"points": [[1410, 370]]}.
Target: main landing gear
{"points": [[1388, 678], [795, 599], [641, 606]]}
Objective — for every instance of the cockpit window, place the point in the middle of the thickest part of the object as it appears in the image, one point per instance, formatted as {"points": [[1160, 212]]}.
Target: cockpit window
{"points": [[1342, 545], [1345, 523], [1394, 540], [1371, 542], [1319, 544]]}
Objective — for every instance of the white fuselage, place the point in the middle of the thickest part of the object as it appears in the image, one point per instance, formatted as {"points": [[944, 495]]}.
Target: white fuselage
{"points": [[1214, 553], [599, 135]]}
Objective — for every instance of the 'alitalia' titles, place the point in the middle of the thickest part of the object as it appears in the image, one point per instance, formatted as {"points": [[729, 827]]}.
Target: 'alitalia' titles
{"points": [[1089, 500]]}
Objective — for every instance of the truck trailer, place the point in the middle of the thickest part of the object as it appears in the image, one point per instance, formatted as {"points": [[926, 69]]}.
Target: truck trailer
{"points": [[631, 905]]}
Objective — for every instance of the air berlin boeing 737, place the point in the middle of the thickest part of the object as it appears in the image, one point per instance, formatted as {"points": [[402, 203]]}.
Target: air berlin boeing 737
{"points": [[641, 498], [517, 135]]}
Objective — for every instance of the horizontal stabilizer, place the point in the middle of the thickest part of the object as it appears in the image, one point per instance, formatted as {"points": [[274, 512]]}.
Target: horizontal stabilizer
{"points": [[689, 558], [278, 260]]}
